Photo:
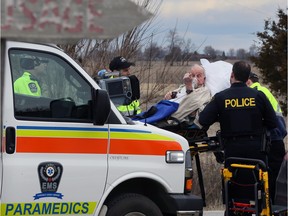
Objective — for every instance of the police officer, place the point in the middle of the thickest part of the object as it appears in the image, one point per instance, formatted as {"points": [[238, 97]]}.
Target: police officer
{"points": [[28, 84], [243, 113], [121, 65]]}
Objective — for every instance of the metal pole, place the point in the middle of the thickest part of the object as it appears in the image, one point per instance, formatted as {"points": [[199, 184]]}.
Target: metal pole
{"points": [[200, 177]]}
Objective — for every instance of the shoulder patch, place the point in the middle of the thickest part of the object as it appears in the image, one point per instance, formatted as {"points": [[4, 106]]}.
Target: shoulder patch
{"points": [[33, 87]]}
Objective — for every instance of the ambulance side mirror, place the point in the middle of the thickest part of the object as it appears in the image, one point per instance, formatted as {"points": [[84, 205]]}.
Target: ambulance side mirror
{"points": [[101, 106]]}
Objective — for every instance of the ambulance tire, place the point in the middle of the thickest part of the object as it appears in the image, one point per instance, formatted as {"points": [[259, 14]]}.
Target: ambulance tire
{"points": [[132, 204]]}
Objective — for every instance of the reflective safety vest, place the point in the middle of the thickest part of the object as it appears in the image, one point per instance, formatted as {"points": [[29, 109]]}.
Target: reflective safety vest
{"points": [[27, 85], [280, 132], [269, 95], [130, 110]]}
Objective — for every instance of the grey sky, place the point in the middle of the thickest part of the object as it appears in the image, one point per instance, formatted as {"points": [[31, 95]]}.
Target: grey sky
{"points": [[223, 24]]}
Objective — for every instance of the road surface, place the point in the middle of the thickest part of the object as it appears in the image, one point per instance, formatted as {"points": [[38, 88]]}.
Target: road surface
{"points": [[213, 213]]}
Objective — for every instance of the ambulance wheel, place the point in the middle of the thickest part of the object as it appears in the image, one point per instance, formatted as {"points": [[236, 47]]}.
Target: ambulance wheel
{"points": [[132, 204]]}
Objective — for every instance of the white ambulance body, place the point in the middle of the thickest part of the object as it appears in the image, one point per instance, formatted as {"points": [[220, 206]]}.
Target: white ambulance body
{"points": [[62, 156]]}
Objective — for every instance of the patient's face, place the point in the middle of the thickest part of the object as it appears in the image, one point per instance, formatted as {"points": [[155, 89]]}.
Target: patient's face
{"points": [[198, 74]]}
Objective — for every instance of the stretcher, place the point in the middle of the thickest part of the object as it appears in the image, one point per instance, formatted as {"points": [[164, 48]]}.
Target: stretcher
{"points": [[245, 187]]}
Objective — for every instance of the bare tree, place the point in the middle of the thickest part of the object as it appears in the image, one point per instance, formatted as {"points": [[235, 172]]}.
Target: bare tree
{"points": [[94, 54], [253, 50], [188, 49], [174, 43], [210, 51], [153, 52], [231, 52], [241, 54]]}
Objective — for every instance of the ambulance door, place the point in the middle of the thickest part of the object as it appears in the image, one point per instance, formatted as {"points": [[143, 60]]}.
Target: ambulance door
{"points": [[55, 159]]}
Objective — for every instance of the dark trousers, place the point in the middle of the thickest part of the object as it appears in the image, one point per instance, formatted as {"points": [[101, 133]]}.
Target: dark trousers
{"points": [[275, 158]]}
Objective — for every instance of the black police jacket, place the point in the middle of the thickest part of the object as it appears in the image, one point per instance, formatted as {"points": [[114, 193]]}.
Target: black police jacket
{"points": [[240, 110]]}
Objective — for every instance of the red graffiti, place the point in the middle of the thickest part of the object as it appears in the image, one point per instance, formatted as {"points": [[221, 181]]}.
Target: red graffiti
{"points": [[92, 9], [69, 16], [29, 14], [78, 27]]}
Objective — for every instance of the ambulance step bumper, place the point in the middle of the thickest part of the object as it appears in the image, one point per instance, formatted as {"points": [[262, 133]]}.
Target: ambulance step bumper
{"points": [[186, 204], [189, 213]]}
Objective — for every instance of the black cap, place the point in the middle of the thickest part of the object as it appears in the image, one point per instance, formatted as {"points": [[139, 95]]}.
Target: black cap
{"points": [[119, 63], [31, 63], [254, 77], [27, 63]]}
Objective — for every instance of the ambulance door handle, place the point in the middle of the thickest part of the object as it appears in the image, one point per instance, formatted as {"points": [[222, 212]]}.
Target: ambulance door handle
{"points": [[10, 140]]}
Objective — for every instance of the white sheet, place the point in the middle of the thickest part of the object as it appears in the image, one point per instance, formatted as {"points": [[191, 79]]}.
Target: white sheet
{"points": [[217, 75]]}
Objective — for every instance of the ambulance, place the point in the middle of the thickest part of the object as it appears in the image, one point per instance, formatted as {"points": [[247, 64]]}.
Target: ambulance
{"points": [[68, 151]]}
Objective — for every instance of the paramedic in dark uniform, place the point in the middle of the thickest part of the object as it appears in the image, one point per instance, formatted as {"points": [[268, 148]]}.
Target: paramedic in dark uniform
{"points": [[28, 83], [243, 114]]}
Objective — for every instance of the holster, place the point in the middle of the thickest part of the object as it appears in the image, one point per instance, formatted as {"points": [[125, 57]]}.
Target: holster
{"points": [[220, 139], [266, 142], [265, 139]]}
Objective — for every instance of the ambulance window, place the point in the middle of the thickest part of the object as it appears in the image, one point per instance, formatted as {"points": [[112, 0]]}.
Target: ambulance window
{"points": [[46, 87]]}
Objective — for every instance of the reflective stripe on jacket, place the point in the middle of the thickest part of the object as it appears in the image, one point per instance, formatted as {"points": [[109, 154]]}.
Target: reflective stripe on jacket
{"points": [[280, 132], [130, 110], [269, 95]]}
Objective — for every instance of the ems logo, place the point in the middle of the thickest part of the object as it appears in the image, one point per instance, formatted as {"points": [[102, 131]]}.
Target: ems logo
{"points": [[32, 87], [49, 176]]}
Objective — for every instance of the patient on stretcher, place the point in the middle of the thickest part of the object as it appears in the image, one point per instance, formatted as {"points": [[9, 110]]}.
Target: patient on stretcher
{"points": [[182, 105]]}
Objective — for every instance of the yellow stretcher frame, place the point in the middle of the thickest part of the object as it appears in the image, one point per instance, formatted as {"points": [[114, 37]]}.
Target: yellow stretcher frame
{"points": [[203, 143], [263, 177], [211, 144]]}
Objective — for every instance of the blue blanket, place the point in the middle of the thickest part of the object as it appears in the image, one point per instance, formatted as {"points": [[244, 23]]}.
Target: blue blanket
{"points": [[159, 111]]}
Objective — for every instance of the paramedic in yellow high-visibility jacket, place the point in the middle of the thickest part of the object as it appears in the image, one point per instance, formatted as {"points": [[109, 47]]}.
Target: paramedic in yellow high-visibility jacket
{"points": [[28, 84], [121, 65]]}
